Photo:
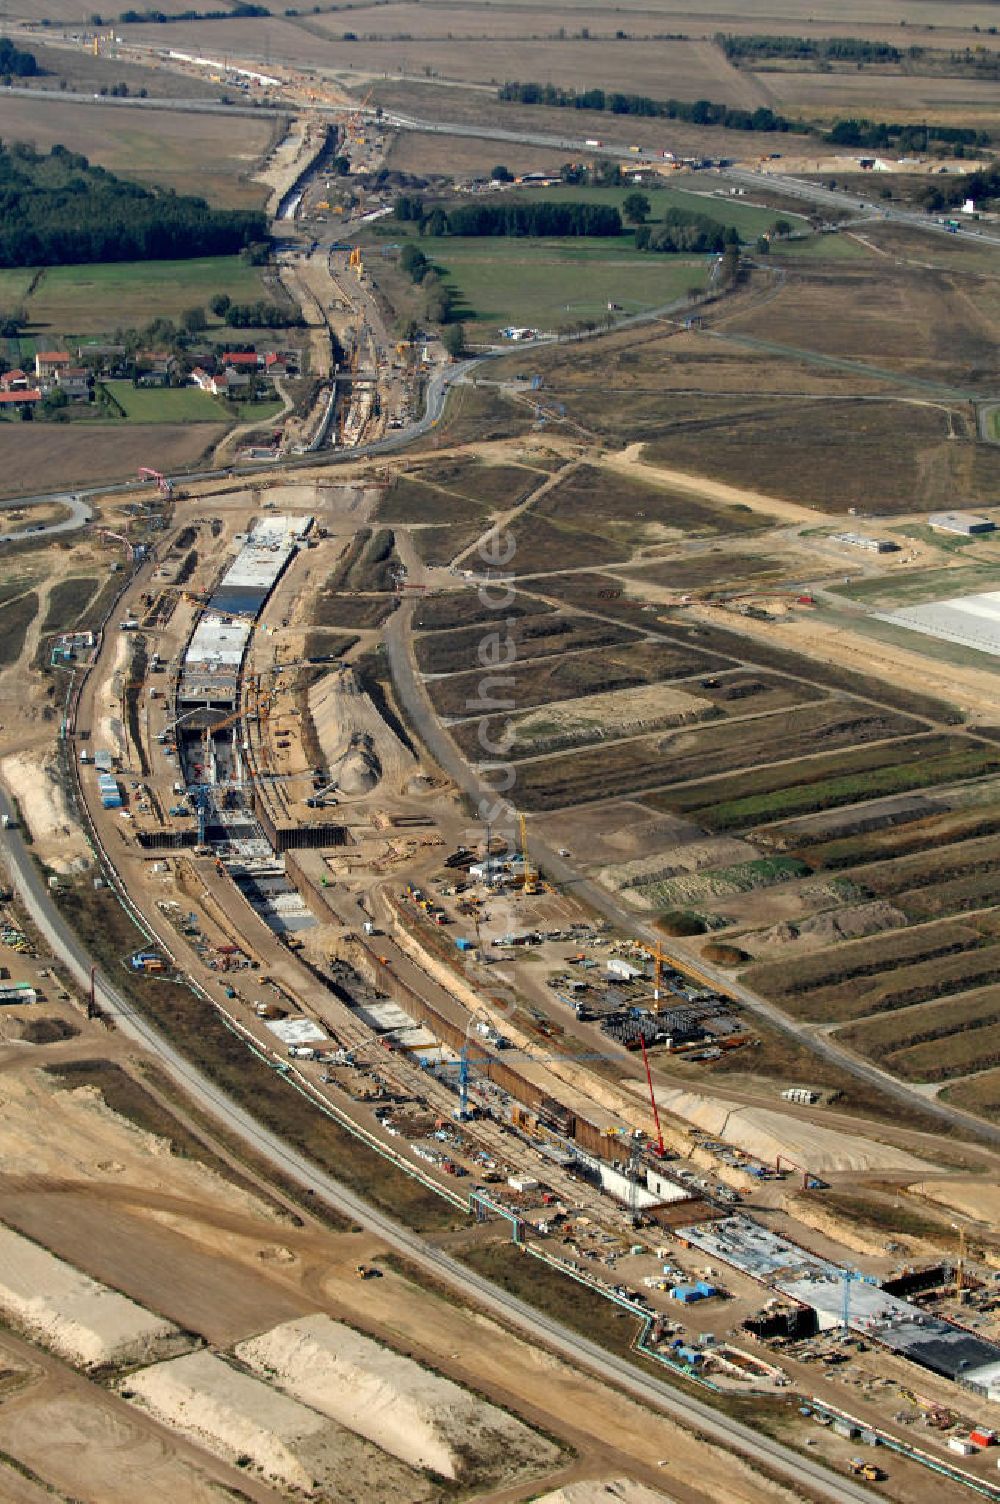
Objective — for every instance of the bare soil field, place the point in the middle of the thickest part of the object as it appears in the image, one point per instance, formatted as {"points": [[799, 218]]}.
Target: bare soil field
{"points": [[190, 153], [544, 681], [421, 155], [823, 456], [643, 364], [412, 501], [719, 567], [428, 494], [906, 319], [363, 612], [981, 1095], [541, 545], [906, 832], [688, 70], [86, 74], [532, 636], [460, 608], [650, 762], [879, 95], [800, 975], [475, 414], [45, 456], [631, 510]]}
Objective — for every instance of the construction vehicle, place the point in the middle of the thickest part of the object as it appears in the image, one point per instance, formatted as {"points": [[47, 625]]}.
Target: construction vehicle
{"points": [[859, 1468], [367, 1271]]}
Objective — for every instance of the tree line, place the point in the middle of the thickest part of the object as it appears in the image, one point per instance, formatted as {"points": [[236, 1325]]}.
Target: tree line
{"points": [[57, 209], [160, 17], [851, 132], [539, 219], [826, 49], [696, 112]]}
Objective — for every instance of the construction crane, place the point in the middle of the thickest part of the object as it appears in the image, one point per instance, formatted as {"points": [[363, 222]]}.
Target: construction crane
{"points": [[119, 538], [356, 262], [659, 956], [960, 1264], [659, 1151], [163, 485], [530, 878]]}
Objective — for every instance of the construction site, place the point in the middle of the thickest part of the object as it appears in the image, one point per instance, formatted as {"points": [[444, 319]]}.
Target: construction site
{"points": [[306, 876]]}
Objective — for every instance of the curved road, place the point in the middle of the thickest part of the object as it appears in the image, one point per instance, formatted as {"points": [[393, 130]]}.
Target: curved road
{"points": [[757, 1447], [79, 513]]}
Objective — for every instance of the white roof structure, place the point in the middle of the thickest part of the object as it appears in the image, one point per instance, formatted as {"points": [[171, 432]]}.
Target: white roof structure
{"points": [[297, 1031], [973, 621], [218, 643]]}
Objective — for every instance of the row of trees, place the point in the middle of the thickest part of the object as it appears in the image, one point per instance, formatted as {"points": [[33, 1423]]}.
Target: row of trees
{"points": [[696, 111], [160, 17], [850, 132], [537, 219], [56, 210], [828, 49], [883, 134]]}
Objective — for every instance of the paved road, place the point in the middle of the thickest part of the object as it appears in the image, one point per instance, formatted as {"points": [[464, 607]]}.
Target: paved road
{"points": [[79, 513], [576, 1349], [418, 712], [837, 198]]}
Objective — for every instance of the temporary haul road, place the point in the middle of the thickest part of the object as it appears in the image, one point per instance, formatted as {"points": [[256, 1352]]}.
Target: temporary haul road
{"points": [[756, 1447]]}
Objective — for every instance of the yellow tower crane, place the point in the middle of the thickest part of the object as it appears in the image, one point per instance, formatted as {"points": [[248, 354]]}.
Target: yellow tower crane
{"points": [[658, 959], [960, 1264], [530, 881]]}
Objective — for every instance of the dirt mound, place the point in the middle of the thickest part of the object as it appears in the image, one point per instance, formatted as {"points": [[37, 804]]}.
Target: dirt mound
{"points": [[619, 712], [679, 858], [239, 1417], [766, 1134], [73, 1315], [36, 787], [604, 1491], [361, 750], [852, 923], [423, 1419], [724, 955]]}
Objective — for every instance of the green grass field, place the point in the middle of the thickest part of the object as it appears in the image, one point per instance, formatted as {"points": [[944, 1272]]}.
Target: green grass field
{"points": [[96, 298], [838, 247], [182, 404], [749, 219], [549, 283]]}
